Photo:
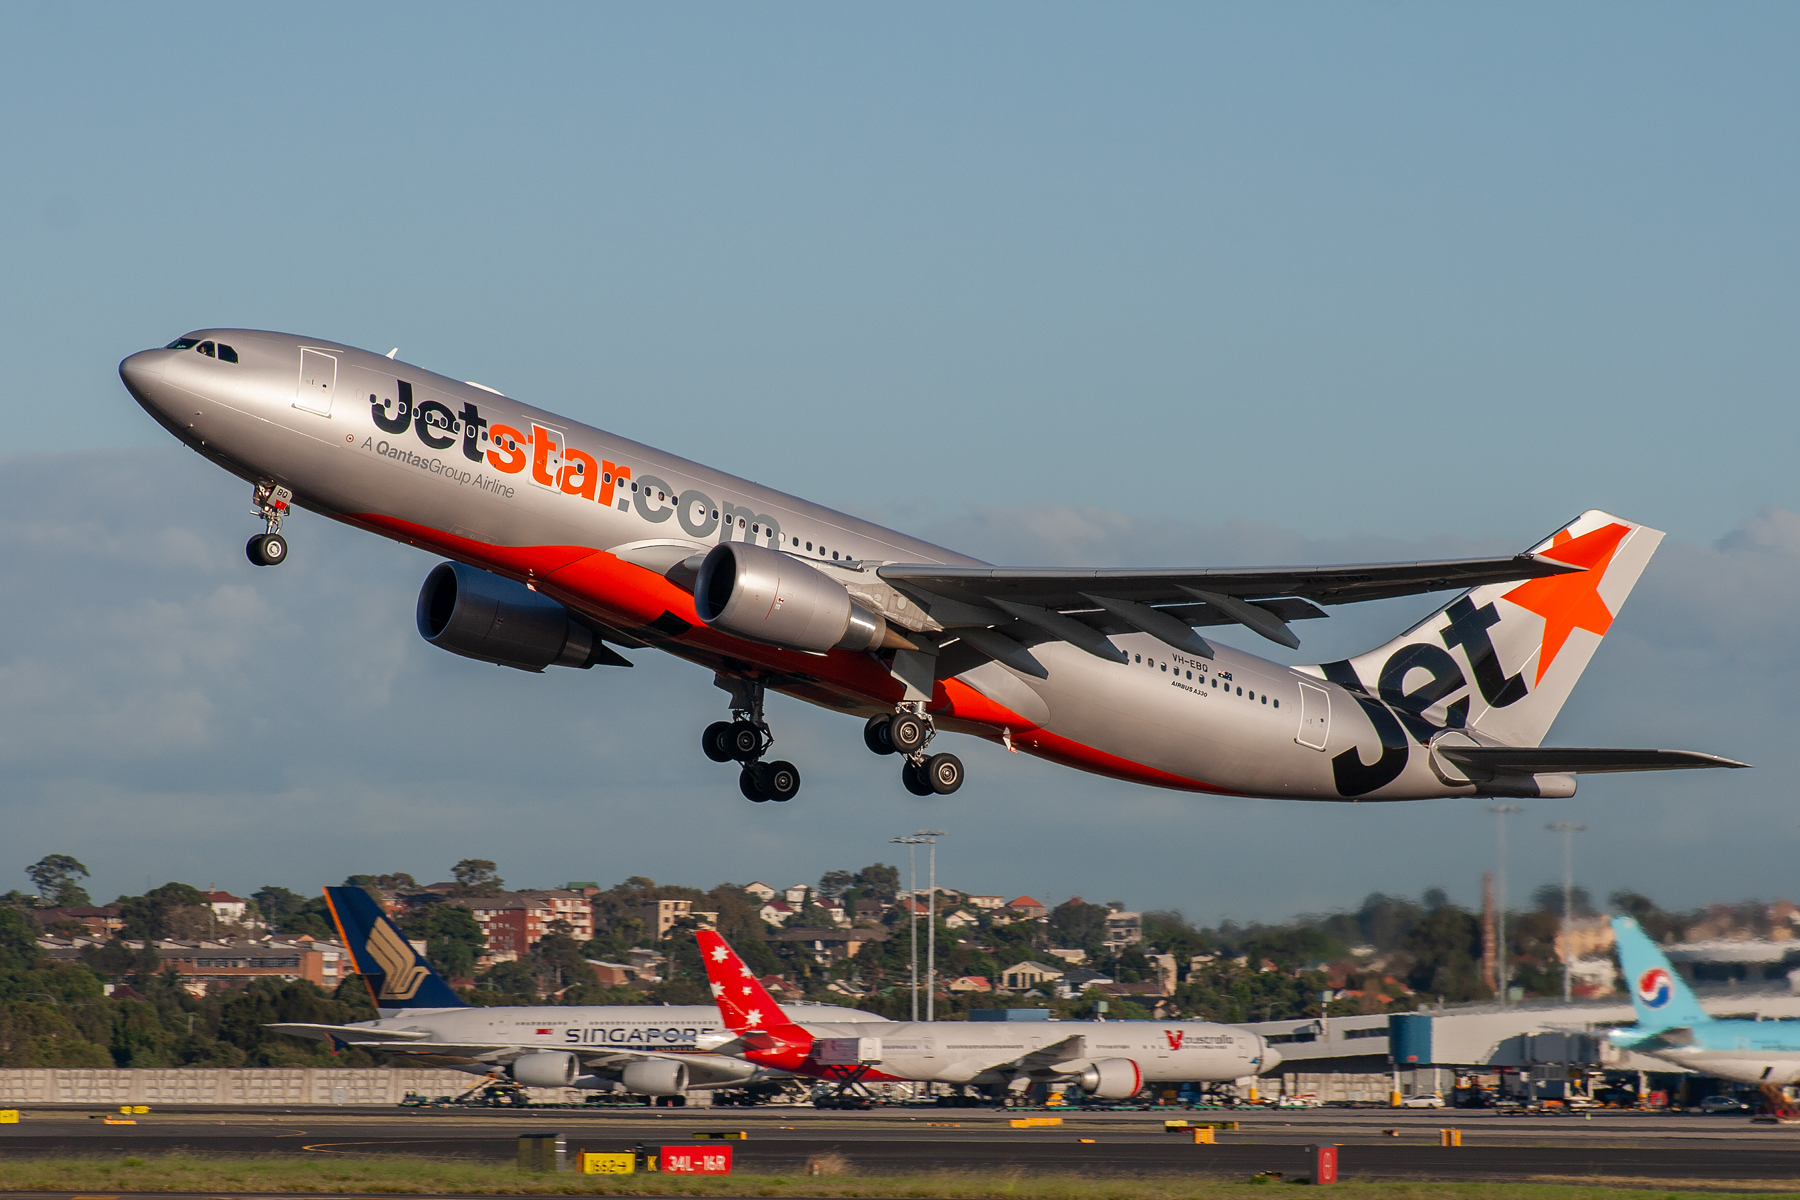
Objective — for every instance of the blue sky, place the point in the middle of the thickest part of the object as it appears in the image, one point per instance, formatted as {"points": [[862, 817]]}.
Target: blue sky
{"points": [[1136, 284]]}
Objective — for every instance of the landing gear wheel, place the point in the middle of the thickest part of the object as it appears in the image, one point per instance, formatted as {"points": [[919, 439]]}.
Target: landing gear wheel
{"points": [[715, 741], [915, 780], [875, 733], [780, 780], [266, 549], [746, 742], [751, 785], [944, 773], [907, 732]]}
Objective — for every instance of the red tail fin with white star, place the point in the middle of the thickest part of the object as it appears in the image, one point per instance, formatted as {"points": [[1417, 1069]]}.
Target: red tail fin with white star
{"points": [[744, 1004]]}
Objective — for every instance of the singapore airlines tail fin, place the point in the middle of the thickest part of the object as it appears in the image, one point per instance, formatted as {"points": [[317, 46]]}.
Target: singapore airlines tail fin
{"points": [[1502, 658], [398, 976], [1659, 996]]}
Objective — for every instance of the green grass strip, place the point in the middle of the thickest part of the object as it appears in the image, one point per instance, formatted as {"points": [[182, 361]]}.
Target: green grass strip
{"points": [[404, 1175]]}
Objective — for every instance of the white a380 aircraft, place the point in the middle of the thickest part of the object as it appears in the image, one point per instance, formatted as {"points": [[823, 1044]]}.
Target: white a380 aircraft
{"points": [[563, 538]]}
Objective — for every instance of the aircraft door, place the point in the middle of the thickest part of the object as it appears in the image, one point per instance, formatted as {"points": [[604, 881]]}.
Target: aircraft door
{"points": [[1315, 716], [318, 381]]}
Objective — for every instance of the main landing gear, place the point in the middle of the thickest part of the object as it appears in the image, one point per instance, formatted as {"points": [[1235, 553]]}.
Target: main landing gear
{"points": [[745, 739], [907, 731], [269, 548]]}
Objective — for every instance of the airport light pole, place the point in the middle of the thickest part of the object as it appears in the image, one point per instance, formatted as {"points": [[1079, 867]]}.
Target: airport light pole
{"points": [[930, 837], [1502, 969], [1568, 830], [912, 918]]}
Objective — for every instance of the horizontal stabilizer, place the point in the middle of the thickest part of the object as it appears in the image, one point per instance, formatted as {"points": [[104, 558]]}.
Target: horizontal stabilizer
{"points": [[1486, 762]]}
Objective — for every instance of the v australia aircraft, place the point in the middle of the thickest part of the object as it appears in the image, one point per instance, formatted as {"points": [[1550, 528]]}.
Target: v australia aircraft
{"points": [[648, 1050], [566, 541]]}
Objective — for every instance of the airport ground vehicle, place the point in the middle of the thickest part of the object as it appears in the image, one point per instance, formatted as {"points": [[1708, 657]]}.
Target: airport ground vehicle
{"points": [[566, 541]]}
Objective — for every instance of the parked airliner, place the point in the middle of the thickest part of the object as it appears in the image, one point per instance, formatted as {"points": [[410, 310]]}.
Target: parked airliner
{"points": [[646, 1049], [565, 541], [1109, 1060]]}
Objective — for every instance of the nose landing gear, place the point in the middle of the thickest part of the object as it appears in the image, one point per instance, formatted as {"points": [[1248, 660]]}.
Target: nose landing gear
{"points": [[745, 739], [269, 548], [907, 731]]}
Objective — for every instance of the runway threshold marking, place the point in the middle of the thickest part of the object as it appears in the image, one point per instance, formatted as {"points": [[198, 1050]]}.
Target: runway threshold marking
{"points": [[326, 1147]]}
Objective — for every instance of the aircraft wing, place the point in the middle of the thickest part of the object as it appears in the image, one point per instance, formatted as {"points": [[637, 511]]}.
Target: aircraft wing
{"points": [[1486, 762], [355, 1035], [1065, 1050], [1000, 611]]}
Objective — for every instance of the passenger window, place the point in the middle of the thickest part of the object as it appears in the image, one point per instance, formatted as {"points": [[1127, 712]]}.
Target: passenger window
{"points": [[1253, 695], [205, 348], [1137, 658], [226, 353], [1190, 674], [834, 555], [809, 545], [1278, 704], [1240, 691], [1165, 667], [1265, 698]]}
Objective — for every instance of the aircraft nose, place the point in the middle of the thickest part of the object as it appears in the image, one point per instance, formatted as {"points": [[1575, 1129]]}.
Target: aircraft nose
{"points": [[141, 371]]}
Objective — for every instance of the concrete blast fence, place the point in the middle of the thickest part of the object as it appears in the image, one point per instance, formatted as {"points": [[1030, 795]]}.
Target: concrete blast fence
{"points": [[24, 1086]]}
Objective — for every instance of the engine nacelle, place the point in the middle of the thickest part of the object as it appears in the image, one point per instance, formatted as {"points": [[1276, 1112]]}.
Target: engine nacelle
{"points": [[484, 616], [546, 1068], [655, 1077], [768, 596], [1111, 1079]]}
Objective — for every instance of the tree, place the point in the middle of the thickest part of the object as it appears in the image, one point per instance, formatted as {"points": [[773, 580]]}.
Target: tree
{"points": [[291, 913], [878, 881], [833, 884], [1078, 924], [453, 938], [147, 916], [1549, 898], [389, 883], [54, 877], [476, 877]]}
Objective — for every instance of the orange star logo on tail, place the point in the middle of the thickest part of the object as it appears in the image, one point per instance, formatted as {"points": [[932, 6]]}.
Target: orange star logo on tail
{"points": [[1571, 602]]}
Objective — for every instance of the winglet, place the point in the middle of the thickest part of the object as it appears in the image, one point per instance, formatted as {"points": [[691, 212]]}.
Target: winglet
{"points": [[398, 976]]}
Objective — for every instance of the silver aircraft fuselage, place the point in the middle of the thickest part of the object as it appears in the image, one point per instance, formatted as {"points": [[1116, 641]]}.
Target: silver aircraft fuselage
{"points": [[484, 479]]}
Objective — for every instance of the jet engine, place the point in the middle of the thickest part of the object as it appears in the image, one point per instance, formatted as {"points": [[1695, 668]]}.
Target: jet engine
{"points": [[655, 1077], [771, 597], [1111, 1079], [547, 1068], [484, 616]]}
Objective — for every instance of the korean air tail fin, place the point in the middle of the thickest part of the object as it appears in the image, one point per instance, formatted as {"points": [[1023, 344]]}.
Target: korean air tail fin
{"points": [[1660, 997], [1501, 659], [398, 976]]}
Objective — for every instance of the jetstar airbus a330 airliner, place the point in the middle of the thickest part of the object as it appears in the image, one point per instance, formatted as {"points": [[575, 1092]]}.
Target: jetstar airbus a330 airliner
{"points": [[565, 541]]}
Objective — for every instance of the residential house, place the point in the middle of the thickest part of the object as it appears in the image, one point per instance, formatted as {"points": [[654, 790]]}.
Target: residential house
{"points": [[962, 919], [660, 916], [1164, 967], [225, 906], [1024, 908], [205, 965], [776, 912], [1072, 957], [870, 911], [569, 905], [760, 890], [971, 984], [99, 922], [512, 923], [987, 903], [1021, 976], [1122, 929], [797, 895], [833, 945]]}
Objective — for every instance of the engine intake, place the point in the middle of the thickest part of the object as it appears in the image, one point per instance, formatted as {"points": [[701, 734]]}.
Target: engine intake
{"points": [[547, 1068], [655, 1077], [486, 617], [1111, 1079], [771, 597]]}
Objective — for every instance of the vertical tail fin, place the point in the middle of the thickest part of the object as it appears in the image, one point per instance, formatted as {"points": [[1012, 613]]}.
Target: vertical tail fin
{"points": [[1660, 997], [398, 976], [744, 1004], [1503, 658]]}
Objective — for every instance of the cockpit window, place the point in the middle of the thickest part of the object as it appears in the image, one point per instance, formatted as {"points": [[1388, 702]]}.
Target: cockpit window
{"points": [[182, 344], [226, 353], [205, 348]]}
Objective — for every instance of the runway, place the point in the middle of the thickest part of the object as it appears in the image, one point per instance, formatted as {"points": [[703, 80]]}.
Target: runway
{"points": [[1376, 1145]]}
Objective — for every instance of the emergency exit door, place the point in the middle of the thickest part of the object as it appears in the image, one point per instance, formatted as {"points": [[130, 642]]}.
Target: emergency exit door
{"points": [[1315, 716], [318, 380]]}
